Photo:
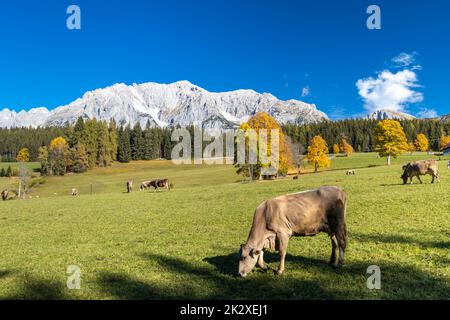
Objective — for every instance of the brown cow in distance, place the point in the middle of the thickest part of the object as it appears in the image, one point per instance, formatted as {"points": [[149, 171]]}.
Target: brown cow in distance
{"points": [[158, 183], [295, 215], [420, 168], [129, 186], [5, 194]]}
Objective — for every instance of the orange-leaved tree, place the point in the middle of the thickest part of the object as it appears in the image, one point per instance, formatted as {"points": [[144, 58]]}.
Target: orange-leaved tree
{"points": [[336, 149], [421, 142], [390, 139], [258, 122], [317, 153], [345, 147]]}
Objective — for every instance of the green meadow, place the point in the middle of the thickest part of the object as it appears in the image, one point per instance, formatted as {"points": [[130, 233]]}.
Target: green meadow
{"points": [[184, 243]]}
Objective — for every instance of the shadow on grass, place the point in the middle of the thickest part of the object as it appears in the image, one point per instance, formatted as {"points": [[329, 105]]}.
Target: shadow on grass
{"points": [[31, 288], [5, 273], [393, 184], [228, 264], [180, 279], [377, 238]]}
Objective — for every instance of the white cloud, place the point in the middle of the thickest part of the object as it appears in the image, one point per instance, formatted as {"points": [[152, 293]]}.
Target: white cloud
{"points": [[427, 113], [393, 91], [404, 59], [305, 92]]}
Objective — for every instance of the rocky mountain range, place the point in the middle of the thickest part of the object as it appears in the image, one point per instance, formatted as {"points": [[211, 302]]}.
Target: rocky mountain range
{"points": [[384, 114], [180, 103]]}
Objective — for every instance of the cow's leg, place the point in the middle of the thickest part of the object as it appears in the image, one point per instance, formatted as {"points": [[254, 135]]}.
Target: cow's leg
{"points": [[261, 262], [341, 256], [334, 246], [283, 244], [420, 180]]}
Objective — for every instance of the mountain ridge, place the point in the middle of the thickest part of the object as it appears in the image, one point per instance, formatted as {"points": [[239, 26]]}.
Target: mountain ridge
{"points": [[179, 103]]}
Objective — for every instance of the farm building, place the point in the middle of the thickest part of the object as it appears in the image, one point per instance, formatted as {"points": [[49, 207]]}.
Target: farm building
{"points": [[446, 150]]}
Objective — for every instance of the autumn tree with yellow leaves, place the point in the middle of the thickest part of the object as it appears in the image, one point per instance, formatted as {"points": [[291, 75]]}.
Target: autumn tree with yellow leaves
{"points": [[254, 126], [58, 153], [443, 141], [411, 147], [317, 153], [421, 143], [390, 139], [23, 155], [336, 149], [345, 147]]}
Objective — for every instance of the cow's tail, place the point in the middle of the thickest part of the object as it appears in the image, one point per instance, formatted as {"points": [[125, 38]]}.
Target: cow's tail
{"points": [[342, 225]]}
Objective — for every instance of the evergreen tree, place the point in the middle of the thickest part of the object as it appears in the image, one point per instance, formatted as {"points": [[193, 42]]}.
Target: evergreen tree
{"points": [[137, 142], [148, 150], [9, 172], [103, 147], [43, 159], [77, 132], [2, 172], [124, 147], [113, 140], [90, 141], [79, 158]]}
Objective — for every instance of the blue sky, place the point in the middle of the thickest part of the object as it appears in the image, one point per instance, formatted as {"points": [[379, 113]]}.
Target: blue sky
{"points": [[315, 51]]}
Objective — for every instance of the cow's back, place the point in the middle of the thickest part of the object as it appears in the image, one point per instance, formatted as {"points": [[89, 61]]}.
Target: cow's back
{"points": [[303, 212]]}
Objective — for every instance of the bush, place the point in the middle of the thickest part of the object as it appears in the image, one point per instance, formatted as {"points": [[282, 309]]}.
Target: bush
{"points": [[36, 182], [15, 172]]}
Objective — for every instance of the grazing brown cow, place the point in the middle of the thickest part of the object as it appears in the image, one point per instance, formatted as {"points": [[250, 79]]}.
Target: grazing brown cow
{"points": [[75, 192], [300, 214], [5, 194], [129, 186], [418, 168], [158, 183]]}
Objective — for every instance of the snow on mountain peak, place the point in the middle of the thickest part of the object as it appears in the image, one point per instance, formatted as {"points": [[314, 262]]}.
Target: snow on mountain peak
{"points": [[179, 103]]}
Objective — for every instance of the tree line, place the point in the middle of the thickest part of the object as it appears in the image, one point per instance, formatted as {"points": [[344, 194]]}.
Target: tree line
{"points": [[83, 145], [91, 143], [360, 133]]}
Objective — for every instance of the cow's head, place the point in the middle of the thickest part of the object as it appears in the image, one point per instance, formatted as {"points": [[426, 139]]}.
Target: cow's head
{"points": [[247, 259], [404, 176]]}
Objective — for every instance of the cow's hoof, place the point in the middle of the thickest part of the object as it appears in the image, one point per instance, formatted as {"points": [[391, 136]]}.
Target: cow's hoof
{"points": [[266, 269], [279, 272]]}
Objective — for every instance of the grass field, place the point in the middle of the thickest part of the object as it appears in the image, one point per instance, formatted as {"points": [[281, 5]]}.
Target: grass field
{"points": [[15, 165], [184, 243]]}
